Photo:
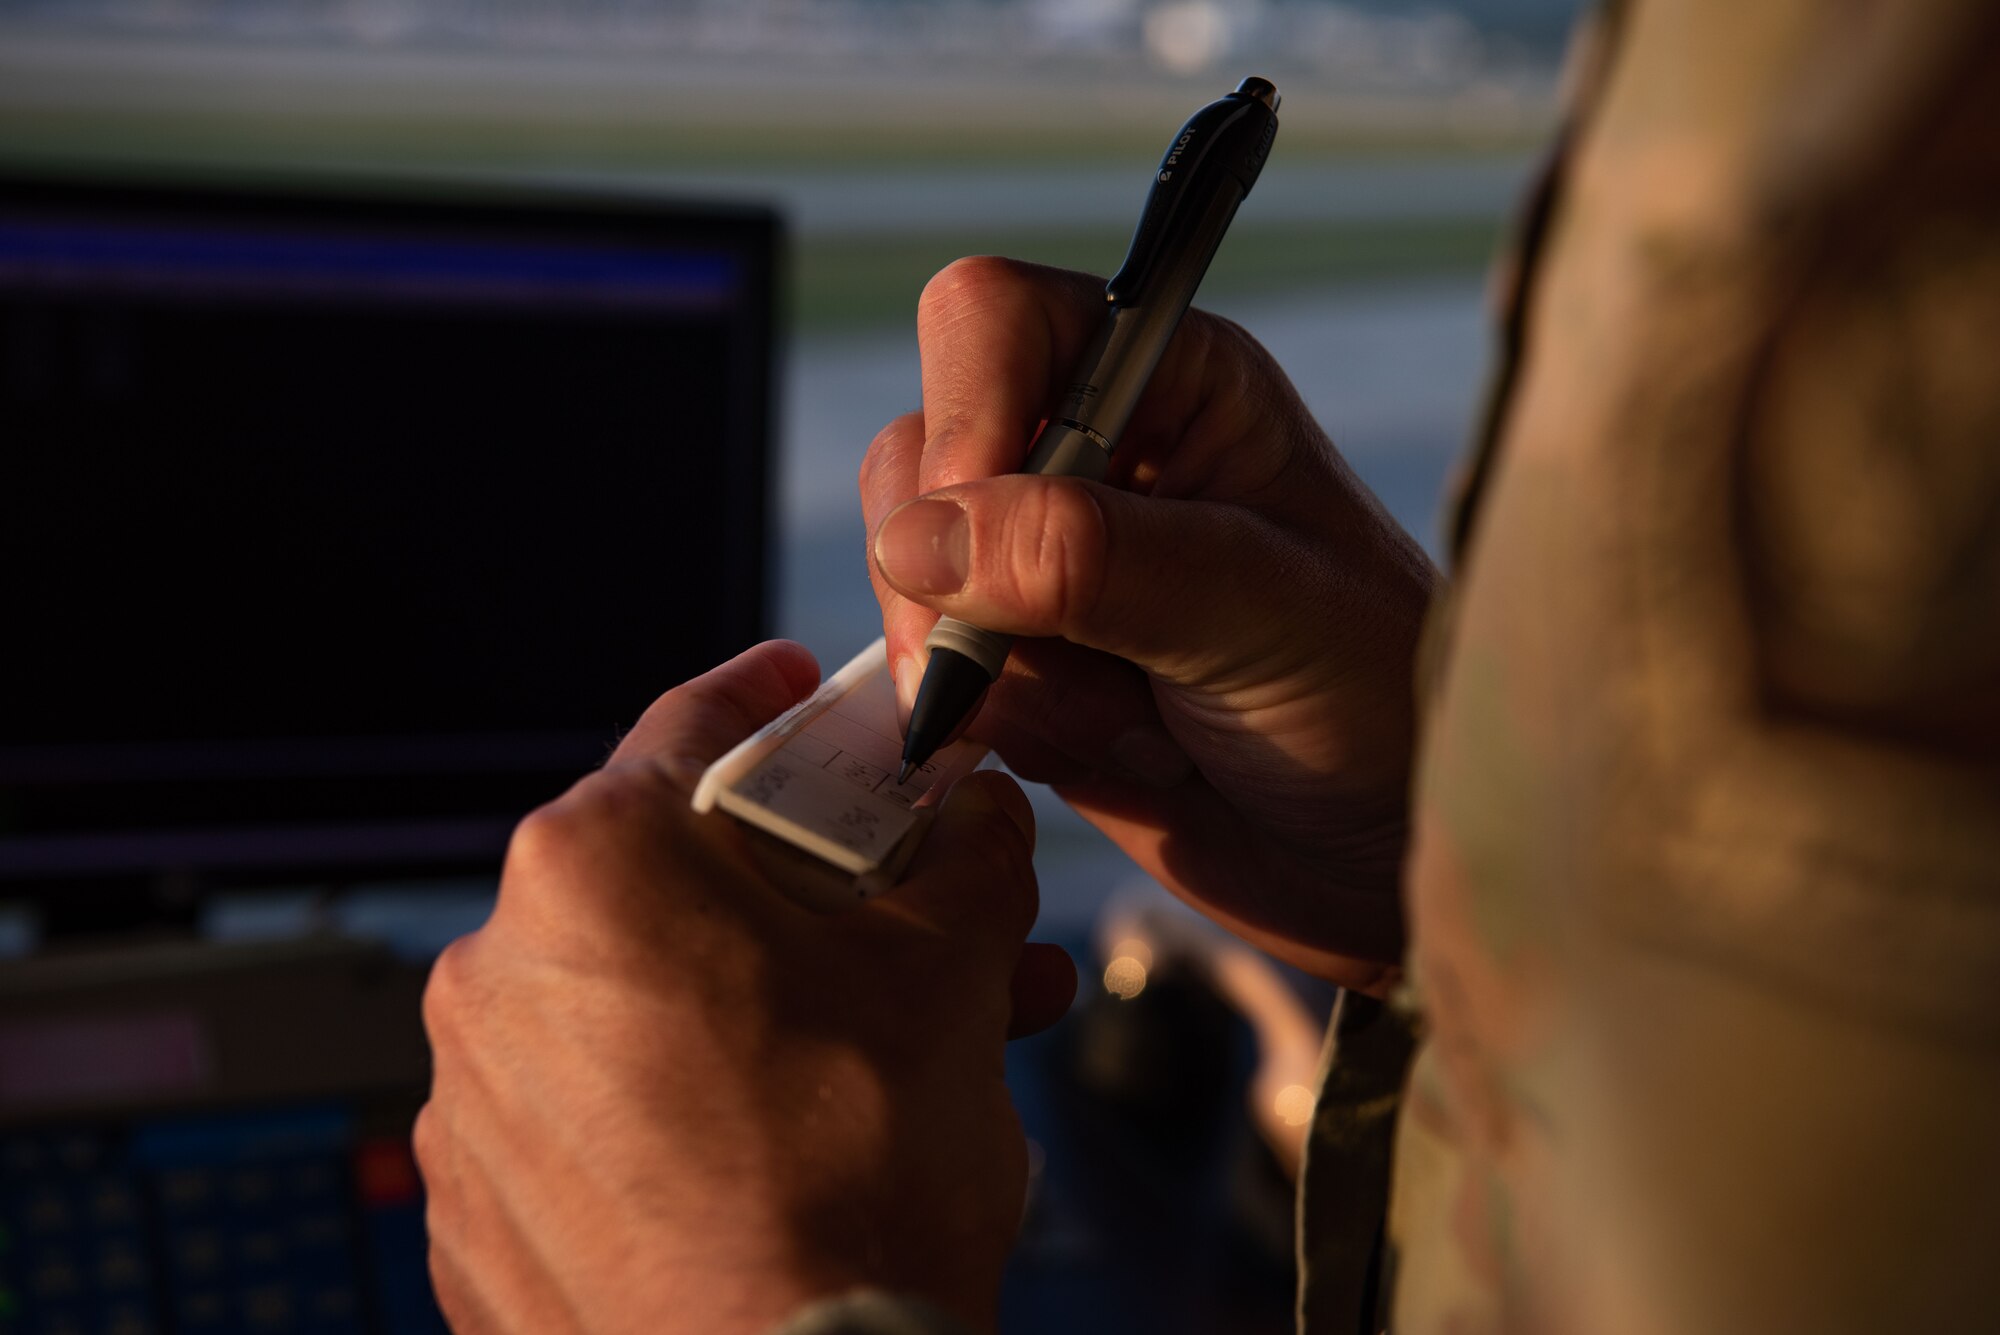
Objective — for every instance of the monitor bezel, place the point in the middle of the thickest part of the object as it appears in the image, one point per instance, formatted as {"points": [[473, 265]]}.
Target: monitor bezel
{"points": [[751, 235]]}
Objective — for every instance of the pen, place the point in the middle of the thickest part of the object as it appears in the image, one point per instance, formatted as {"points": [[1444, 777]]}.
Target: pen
{"points": [[1207, 171]]}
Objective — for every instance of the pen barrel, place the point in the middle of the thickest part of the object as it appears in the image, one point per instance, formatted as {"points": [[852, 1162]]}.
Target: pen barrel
{"points": [[984, 647], [1113, 375], [1066, 450]]}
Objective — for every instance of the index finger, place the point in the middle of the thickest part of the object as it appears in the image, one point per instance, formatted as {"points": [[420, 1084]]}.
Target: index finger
{"points": [[999, 341], [995, 337], [690, 727]]}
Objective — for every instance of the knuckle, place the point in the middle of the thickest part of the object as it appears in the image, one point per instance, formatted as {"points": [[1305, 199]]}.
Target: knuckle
{"points": [[864, 476], [547, 839], [427, 1136], [447, 989], [610, 860], [593, 817], [1056, 556], [871, 458], [965, 285], [1226, 352], [608, 799], [1219, 332], [1201, 331], [1239, 372], [878, 476], [1227, 342]]}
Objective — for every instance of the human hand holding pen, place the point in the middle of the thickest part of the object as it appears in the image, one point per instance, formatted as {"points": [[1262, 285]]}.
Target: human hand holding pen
{"points": [[1226, 629]]}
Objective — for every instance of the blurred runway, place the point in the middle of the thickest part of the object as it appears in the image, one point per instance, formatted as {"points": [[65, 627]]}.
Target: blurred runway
{"points": [[845, 200]]}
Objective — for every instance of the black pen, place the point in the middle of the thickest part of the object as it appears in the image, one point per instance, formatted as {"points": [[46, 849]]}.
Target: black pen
{"points": [[1207, 172]]}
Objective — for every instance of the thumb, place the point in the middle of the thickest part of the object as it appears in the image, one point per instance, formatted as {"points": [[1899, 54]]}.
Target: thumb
{"points": [[1188, 590]]}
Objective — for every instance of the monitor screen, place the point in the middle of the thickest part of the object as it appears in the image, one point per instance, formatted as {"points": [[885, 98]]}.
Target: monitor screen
{"points": [[338, 528]]}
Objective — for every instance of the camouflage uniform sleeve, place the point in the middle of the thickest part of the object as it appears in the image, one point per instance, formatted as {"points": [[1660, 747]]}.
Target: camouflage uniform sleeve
{"points": [[1705, 921], [1870, 486]]}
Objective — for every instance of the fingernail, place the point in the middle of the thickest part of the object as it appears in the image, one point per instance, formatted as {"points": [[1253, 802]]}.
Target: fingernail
{"points": [[925, 547], [1151, 756], [908, 678]]}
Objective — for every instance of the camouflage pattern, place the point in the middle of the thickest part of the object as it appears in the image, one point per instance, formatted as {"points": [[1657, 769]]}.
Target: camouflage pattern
{"points": [[1705, 881]]}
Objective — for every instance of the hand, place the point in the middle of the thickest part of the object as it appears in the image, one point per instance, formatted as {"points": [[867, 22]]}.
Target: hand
{"points": [[1226, 685], [668, 1098]]}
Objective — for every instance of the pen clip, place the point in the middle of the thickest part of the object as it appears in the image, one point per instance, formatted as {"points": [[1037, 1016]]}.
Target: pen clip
{"points": [[1227, 140]]}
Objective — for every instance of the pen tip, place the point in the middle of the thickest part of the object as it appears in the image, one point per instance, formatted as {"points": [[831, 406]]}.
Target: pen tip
{"points": [[909, 768]]}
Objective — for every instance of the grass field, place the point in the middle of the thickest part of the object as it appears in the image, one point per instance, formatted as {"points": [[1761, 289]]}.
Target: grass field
{"points": [[647, 143], [159, 108], [841, 282]]}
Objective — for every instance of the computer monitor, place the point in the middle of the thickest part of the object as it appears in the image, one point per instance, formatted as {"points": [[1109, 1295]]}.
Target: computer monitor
{"points": [[339, 526]]}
